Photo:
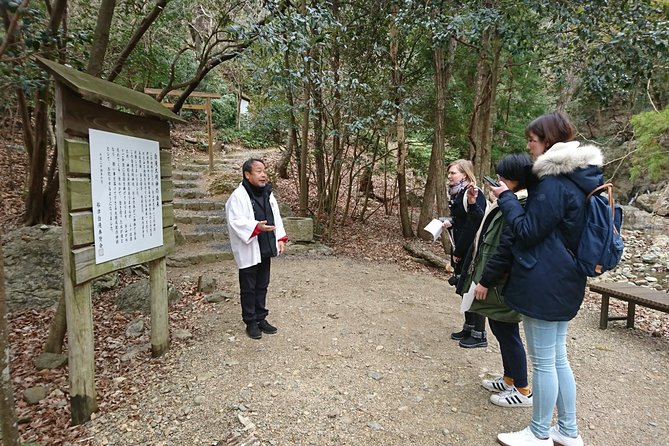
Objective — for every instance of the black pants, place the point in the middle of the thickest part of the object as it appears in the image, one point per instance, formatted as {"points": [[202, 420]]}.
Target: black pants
{"points": [[476, 320], [253, 283], [511, 347]]}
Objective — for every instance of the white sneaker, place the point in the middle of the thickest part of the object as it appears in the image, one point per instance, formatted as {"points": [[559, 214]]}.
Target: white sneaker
{"points": [[522, 438], [496, 385], [563, 440], [512, 398]]}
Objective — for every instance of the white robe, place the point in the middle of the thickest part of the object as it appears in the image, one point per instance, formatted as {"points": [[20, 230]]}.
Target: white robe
{"points": [[242, 223]]}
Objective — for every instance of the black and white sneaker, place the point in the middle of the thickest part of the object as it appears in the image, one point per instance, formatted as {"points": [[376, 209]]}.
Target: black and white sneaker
{"points": [[511, 398]]}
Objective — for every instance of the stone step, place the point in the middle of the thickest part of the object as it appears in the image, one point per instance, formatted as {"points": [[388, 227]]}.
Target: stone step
{"points": [[194, 254], [178, 175], [189, 193], [186, 217], [180, 184], [198, 204], [201, 233], [193, 167]]}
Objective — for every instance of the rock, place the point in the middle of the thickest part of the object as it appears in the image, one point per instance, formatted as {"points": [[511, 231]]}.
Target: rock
{"points": [[216, 298], [105, 283], [136, 296], [374, 425], [655, 202], [377, 376], [34, 395], [33, 261], [180, 333], [299, 229], [199, 400], [135, 329], [49, 361], [206, 284]]}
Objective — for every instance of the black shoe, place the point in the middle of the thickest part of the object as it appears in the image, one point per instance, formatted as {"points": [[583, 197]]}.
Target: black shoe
{"points": [[266, 327], [472, 342], [462, 334], [253, 331]]}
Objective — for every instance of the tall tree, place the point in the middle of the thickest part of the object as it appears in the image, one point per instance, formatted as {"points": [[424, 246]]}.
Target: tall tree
{"points": [[402, 149], [304, 129], [435, 186]]}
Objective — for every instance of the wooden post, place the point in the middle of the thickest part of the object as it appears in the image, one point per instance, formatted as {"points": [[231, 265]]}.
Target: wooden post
{"points": [[209, 132], [78, 310], [160, 333]]}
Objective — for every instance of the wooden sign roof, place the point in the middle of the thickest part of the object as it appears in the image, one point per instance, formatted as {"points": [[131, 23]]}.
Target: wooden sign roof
{"points": [[95, 89]]}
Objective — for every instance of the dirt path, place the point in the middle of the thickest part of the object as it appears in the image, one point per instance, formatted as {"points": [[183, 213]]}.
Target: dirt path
{"points": [[363, 357]]}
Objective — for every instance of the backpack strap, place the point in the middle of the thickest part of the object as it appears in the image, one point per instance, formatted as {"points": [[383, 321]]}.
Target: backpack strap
{"points": [[609, 189]]}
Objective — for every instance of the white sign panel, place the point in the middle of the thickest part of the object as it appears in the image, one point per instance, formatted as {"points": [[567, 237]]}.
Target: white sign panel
{"points": [[125, 187]]}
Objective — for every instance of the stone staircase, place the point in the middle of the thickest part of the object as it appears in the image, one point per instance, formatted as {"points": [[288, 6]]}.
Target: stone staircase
{"points": [[201, 231]]}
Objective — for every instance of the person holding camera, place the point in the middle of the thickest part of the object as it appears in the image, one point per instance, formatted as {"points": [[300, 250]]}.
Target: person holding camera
{"points": [[487, 265], [467, 207]]}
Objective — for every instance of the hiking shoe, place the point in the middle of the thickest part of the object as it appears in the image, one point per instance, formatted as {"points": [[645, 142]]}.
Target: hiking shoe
{"points": [[266, 327], [523, 438], [496, 385], [472, 342], [460, 335], [511, 398], [563, 440], [253, 331]]}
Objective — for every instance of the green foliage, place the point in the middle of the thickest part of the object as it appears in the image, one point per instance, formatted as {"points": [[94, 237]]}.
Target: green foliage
{"points": [[261, 129], [652, 134], [224, 111]]}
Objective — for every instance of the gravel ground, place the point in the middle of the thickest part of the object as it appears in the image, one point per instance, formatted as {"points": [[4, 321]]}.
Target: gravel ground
{"points": [[363, 357]]}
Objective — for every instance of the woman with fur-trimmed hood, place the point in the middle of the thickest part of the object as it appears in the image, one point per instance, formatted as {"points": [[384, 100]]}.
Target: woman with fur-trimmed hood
{"points": [[544, 285]]}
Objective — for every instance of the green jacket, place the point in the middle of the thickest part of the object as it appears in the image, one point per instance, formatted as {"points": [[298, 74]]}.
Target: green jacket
{"points": [[493, 306]]}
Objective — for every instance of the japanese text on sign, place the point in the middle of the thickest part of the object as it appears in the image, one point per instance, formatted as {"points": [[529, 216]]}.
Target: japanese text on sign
{"points": [[125, 188]]}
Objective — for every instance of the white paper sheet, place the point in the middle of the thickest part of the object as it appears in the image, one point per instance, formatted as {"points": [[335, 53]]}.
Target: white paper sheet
{"points": [[468, 299], [434, 227]]}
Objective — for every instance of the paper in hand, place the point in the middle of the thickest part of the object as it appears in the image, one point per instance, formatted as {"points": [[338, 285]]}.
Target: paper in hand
{"points": [[468, 299], [434, 227]]}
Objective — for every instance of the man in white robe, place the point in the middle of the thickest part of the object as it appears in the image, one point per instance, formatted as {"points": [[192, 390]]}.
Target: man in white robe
{"points": [[256, 235]]}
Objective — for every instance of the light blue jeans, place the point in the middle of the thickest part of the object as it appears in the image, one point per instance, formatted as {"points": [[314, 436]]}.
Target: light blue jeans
{"points": [[553, 381]]}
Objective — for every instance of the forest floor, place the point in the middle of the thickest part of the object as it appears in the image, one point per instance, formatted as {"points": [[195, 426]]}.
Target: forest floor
{"points": [[362, 356]]}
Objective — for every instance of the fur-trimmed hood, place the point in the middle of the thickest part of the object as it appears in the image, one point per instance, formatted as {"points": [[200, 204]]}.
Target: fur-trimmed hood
{"points": [[567, 157]]}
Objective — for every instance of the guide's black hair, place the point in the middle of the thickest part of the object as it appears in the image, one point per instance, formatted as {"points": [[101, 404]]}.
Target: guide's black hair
{"points": [[248, 164]]}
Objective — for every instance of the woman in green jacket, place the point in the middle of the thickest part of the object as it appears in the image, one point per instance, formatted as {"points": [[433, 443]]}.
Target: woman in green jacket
{"points": [[490, 260]]}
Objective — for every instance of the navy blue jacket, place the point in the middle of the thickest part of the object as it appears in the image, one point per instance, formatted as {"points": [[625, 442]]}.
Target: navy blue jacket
{"points": [[544, 282]]}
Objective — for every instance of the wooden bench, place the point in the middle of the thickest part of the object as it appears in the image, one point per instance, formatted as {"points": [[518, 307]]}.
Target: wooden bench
{"points": [[633, 295]]}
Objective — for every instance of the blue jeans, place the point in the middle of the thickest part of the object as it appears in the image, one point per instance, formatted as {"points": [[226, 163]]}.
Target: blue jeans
{"points": [[553, 382]]}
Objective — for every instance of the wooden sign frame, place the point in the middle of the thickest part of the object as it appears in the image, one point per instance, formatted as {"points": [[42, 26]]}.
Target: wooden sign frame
{"points": [[78, 109]]}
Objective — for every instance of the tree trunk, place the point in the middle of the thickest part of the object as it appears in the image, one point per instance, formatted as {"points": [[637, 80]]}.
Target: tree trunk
{"points": [[37, 136], [57, 329], [402, 148], [292, 127], [304, 146], [480, 128], [101, 37], [8, 423], [319, 141], [337, 152], [436, 184]]}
